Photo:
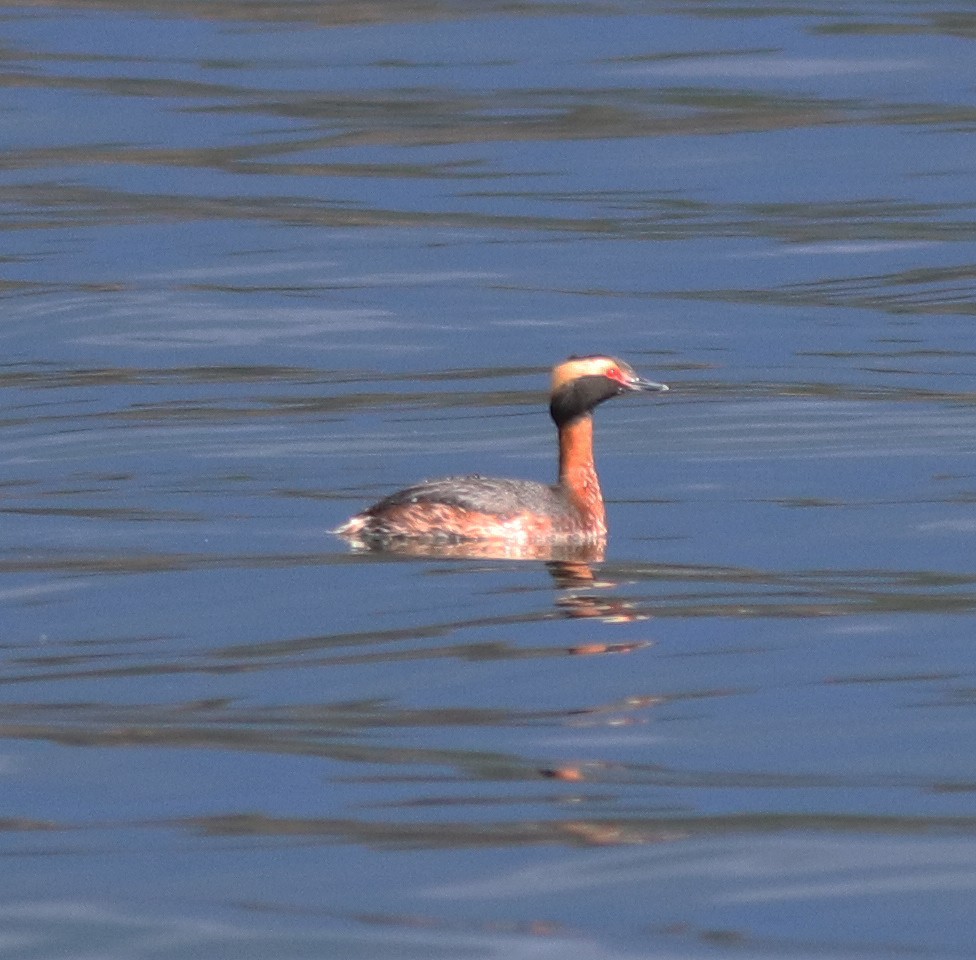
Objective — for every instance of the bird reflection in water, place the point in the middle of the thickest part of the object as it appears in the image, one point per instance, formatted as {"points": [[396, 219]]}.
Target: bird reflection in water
{"points": [[571, 566]]}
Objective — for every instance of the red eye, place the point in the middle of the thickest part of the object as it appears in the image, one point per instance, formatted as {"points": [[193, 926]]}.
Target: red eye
{"points": [[614, 374]]}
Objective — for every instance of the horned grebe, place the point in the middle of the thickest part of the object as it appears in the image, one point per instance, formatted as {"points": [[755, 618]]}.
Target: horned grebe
{"points": [[477, 508]]}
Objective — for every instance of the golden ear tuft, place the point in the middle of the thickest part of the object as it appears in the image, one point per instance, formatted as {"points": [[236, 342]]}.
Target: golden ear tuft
{"points": [[575, 367]]}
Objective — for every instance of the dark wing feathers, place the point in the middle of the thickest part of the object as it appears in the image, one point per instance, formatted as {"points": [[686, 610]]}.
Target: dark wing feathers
{"points": [[479, 494]]}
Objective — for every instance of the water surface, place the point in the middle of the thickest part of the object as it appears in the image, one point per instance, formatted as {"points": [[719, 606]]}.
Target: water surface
{"points": [[266, 263]]}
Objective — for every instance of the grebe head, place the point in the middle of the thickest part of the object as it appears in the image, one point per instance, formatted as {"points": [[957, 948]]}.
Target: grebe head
{"points": [[580, 383]]}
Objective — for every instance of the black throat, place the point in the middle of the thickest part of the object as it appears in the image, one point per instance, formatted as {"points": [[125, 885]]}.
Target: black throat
{"points": [[578, 397]]}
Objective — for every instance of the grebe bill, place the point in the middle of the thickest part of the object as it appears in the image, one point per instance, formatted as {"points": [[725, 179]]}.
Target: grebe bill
{"points": [[491, 508]]}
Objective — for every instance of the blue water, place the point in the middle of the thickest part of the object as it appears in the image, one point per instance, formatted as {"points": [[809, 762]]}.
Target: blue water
{"points": [[264, 264]]}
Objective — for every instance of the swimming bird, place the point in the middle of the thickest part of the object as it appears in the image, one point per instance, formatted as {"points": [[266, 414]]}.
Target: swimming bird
{"points": [[476, 508]]}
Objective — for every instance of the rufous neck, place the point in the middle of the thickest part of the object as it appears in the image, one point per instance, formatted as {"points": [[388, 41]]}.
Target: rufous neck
{"points": [[577, 471]]}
